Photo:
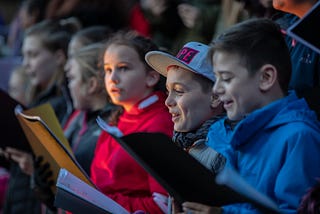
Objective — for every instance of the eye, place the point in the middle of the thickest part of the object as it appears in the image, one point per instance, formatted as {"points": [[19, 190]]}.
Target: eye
{"points": [[123, 68], [178, 91], [32, 54], [107, 70], [226, 78]]}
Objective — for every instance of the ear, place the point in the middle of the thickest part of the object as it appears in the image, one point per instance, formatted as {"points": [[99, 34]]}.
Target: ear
{"points": [[92, 85], [268, 77], [60, 57], [152, 78]]}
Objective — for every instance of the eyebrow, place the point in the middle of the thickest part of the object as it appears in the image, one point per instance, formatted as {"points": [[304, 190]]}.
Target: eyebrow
{"points": [[219, 72]]}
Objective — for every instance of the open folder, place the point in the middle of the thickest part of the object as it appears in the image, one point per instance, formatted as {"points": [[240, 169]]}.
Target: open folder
{"points": [[46, 139], [306, 30], [184, 177], [78, 197]]}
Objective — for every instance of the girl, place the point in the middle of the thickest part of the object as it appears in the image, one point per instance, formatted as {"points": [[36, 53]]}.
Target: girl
{"points": [[90, 99], [132, 84], [44, 55]]}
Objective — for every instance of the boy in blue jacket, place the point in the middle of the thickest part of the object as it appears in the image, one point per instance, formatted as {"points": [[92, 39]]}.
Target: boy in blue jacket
{"points": [[269, 136]]}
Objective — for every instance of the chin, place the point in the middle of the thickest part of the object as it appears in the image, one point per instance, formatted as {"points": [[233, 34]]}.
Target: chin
{"points": [[178, 128]]}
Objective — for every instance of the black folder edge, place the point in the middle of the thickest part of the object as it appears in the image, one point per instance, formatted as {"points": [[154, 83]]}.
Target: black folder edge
{"points": [[309, 21], [73, 203], [12, 133], [18, 110], [213, 194]]}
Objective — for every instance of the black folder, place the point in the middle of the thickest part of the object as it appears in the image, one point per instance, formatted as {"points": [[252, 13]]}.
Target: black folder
{"points": [[179, 173], [11, 131], [306, 30]]}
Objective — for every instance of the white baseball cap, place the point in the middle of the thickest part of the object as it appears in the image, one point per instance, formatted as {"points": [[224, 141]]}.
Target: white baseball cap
{"points": [[193, 56]]}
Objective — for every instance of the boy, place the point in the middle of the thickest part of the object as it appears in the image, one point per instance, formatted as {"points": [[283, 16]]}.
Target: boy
{"points": [[271, 137], [190, 99]]}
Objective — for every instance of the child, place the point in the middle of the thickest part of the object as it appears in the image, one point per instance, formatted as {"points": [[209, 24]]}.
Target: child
{"points": [[87, 91], [190, 99], [132, 84], [90, 98], [275, 145], [44, 55]]}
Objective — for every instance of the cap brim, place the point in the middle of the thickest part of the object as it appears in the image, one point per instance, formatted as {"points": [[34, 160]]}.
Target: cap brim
{"points": [[160, 61]]}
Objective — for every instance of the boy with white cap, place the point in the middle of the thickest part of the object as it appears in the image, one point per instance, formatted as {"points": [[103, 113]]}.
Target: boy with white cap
{"points": [[190, 99]]}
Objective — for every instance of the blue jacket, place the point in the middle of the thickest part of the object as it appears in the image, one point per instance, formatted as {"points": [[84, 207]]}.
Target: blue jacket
{"points": [[276, 149]]}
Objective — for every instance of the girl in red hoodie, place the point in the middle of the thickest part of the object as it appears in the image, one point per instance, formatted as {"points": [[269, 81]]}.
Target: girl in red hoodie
{"points": [[135, 86]]}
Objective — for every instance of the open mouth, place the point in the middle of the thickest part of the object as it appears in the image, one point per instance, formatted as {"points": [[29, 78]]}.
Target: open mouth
{"points": [[227, 104], [175, 116]]}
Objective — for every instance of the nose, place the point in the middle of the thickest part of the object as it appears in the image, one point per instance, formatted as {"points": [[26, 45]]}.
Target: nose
{"points": [[112, 76], [169, 101], [217, 88], [67, 65], [25, 61]]}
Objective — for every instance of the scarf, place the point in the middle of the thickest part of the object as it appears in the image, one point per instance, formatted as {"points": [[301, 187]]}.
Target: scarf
{"points": [[186, 139]]}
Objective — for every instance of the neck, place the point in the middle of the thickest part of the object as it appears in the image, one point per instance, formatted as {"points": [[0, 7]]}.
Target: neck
{"points": [[98, 103]]}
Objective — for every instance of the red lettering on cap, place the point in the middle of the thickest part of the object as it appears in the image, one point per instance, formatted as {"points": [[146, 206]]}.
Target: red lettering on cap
{"points": [[187, 54]]}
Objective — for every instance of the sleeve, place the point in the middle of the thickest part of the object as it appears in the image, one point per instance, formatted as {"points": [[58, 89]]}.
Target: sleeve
{"points": [[303, 164]]}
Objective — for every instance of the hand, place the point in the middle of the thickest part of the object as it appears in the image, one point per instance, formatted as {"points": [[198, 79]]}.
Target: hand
{"points": [[161, 201], [24, 159], [197, 208], [41, 182]]}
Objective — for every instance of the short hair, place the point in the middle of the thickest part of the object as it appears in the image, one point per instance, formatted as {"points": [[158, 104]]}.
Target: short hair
{"points": [[53, 34], [258, 41]]}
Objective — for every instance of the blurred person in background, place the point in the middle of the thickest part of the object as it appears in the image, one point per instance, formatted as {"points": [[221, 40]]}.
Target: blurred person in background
{"points": [[44, 56]]}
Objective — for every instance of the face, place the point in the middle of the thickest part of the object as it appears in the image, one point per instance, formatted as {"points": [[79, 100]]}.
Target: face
{"points": [[73, 46], [126, 78], [40, 63], [76, 86], [75, 83], [238, 91], [186, 101], [17, 87]]}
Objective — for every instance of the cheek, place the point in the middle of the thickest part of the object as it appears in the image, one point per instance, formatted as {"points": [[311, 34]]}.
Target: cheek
{"points": [[72, 87], [75, 87]]}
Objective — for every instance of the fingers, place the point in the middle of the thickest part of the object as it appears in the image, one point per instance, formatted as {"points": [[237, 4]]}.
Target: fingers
{"points": [[197, 208], [161, 201], [43, 172], [24, 159]]}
